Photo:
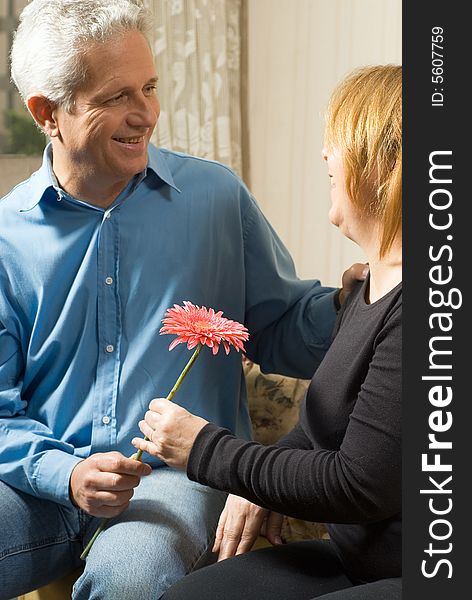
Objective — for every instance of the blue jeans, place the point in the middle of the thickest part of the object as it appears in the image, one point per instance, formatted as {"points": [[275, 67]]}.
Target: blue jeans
{"points": [[166, 532]]}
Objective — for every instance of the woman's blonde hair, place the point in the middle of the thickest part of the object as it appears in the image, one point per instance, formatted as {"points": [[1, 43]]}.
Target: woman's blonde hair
{"points": [[364, 123]]}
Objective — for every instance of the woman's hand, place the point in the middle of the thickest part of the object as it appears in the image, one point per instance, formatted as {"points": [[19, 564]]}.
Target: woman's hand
{"points": [[241, 522], [171, 431]]}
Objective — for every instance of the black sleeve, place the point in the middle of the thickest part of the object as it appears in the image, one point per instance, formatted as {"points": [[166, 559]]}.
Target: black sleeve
{"points": [[359, 483], [297, 438]]}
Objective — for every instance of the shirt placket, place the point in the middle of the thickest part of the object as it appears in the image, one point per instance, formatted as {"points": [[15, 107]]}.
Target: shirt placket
{"points": [[109, 333]]}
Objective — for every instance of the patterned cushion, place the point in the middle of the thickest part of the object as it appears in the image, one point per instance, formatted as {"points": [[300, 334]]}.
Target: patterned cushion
{"points": [[274, 403]]}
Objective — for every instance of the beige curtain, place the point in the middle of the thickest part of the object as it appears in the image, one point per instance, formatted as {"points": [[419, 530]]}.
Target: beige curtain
{"points": [[197, 48]]}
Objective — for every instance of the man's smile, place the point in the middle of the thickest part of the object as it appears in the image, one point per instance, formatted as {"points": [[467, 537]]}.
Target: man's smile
{"points": [[130, 140]]}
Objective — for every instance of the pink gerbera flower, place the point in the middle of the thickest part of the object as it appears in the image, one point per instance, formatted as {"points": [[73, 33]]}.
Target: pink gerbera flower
{"points": [[200, 325]]}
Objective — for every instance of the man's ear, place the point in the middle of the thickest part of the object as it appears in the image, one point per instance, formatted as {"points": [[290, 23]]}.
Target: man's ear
{"points": [[43, 112]]}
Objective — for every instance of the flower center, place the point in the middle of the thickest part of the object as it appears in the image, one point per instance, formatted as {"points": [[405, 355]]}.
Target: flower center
{"points": [[203, 326]]}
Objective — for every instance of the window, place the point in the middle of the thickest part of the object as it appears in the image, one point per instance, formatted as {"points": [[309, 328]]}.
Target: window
{"points": [[18, 133]]}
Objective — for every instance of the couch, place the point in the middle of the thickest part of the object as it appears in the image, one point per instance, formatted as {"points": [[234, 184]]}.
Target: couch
{"points": [[274, 402]]}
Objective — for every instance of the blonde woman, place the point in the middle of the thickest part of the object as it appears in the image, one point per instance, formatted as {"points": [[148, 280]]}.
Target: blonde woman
{"points": [[342, 463]]}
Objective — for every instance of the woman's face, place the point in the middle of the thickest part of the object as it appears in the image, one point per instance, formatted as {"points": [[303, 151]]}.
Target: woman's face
{"points": [[343, 213]]}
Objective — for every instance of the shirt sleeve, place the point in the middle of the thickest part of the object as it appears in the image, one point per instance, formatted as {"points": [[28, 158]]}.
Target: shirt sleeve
{"points": [[31, 460], [359, 483], [290, 321]]}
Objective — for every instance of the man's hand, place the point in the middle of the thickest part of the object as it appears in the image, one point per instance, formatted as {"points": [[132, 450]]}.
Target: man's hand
{"points": [[241, 522], [103, 484], [171, 431], [357, 272]]}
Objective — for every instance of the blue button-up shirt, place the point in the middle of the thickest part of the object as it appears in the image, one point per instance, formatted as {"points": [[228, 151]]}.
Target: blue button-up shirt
{"points": [[83, 291]]}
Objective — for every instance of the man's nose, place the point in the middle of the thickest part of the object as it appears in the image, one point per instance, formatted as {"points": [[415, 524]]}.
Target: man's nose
{"points": [[144, 112]]}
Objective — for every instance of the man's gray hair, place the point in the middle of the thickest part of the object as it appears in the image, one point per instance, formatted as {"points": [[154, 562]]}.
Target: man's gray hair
{"points": [[53, 35]]}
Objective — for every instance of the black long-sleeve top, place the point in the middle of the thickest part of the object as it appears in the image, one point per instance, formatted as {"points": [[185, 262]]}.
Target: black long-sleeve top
{"points": [[342, 463]]}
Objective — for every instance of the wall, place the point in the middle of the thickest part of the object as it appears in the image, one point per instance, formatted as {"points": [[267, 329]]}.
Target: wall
{"points": [[297, 51]]}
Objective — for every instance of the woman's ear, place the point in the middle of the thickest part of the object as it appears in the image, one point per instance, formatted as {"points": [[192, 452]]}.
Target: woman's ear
{"points": [[43, 112]]}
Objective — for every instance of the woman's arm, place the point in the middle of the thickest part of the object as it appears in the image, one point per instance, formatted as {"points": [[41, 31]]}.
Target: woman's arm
{"points": [[360, 482]]}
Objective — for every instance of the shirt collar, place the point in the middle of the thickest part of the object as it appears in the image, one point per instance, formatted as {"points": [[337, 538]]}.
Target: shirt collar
{"points": [[40, 181], [44, 178], [158, 164]]}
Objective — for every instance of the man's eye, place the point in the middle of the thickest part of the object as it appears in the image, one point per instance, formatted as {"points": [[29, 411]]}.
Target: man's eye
{"points": [[150, 89], [116, 99]]}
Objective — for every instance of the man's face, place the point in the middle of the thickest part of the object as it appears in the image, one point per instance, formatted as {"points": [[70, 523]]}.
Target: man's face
{"points": [[104, 141]]}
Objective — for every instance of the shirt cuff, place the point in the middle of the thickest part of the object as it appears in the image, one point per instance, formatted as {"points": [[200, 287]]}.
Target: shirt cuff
{"points": [[322, 311], [52, 474]]}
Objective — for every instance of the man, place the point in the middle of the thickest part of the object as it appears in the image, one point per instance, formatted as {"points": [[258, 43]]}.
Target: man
{"points": [[94, 247]]}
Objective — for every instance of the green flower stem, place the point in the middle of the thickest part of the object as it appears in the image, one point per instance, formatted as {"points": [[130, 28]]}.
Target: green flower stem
{"points": [[137, 456], [98, 531]]}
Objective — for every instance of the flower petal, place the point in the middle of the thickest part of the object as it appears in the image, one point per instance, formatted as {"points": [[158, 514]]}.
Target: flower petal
{"points": [[193, 324]]}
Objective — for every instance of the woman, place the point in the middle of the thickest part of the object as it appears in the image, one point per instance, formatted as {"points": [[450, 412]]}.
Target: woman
{"points": [[342, 463]]}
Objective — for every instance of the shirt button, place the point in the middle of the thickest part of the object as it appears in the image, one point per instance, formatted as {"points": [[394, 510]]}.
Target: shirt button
{"points": [[110, 348], [109, 280], [105, 420], [108, 215]]}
